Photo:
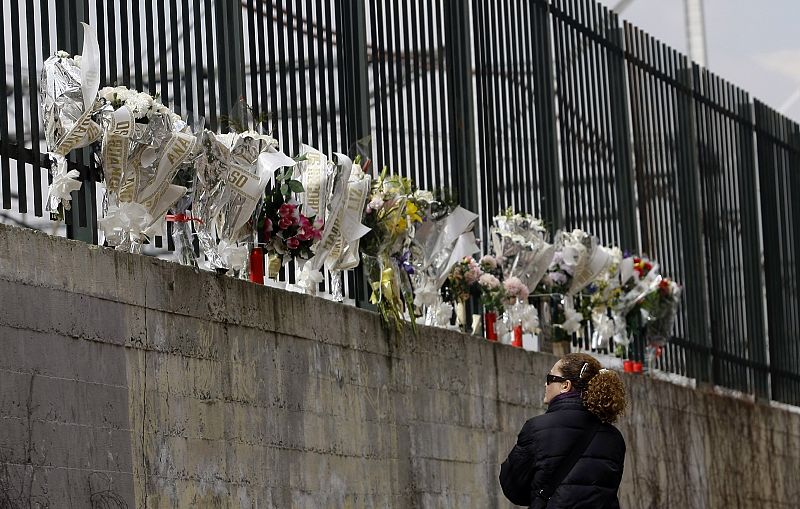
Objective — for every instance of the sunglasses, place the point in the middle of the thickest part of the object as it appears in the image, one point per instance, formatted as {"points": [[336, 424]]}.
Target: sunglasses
{"points": [[554, 378]]}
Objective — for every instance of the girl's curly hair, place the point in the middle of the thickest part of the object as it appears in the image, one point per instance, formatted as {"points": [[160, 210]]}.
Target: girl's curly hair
{"points": [[601, 389]]}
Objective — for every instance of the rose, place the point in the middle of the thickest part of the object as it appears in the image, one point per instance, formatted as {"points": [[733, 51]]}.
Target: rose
{"points": [[284, 223], [293, 243], [286, 210]]}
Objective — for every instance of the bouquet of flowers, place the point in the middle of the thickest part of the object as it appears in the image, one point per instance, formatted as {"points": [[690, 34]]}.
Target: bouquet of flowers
{"points": [[287, 232], [518, 241], [653, 317], [493, 293], [463, 277], [143, 146], [392, 211], [68, 93]]}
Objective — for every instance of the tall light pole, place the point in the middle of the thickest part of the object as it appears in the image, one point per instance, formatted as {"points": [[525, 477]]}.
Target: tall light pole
{"points": [[696, 31]]}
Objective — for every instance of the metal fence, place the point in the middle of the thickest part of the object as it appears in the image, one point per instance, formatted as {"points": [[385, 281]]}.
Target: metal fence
{"points": [[552, 107]]}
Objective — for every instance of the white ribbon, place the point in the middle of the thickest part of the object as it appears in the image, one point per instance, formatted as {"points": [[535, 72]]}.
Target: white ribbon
{"points": [[308, 279], [64, 182], [314, 180], [233, 256], [331, 233], [344, 254], [123, 222], [572, 318], [90, 67], [604, 329], [116, 146]]}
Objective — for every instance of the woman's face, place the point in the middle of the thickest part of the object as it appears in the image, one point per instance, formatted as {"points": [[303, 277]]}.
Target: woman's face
{"points": [[554, 389]]}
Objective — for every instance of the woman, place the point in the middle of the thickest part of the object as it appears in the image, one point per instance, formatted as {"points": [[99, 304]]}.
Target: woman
{"points": [[571, 456]]}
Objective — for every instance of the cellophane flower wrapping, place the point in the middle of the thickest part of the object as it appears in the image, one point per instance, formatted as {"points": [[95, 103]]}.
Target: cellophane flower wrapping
{"points": [[519, 243], [142, 148], [68, 97], [391, 214]]}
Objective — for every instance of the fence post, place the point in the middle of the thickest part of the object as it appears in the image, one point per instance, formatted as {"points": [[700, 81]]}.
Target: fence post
{"points": [[352, 23], [230, 56], [751, 253], [698, 353], [545, 117], [460, 95], [621, 129]]}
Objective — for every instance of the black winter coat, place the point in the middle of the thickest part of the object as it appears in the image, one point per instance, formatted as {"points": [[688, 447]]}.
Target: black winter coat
{"points": [[545, 441]]}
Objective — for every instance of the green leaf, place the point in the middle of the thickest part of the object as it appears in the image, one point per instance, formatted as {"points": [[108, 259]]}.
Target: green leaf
{"points": [[284, 189], [295, 186], [289, 172]]}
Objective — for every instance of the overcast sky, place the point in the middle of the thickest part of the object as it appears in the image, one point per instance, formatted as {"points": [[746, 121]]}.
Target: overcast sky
{"points": [[753, 44]]}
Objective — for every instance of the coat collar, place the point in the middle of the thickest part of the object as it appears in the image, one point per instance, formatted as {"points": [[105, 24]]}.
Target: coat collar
{"points": [[571, 400]]}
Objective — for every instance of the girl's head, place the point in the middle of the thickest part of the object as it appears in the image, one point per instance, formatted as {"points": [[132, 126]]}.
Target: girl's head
{"points": [[601, 389]]}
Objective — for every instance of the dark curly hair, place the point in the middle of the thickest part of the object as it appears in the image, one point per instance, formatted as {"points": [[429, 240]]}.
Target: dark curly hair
{"points": [[601, 389]]}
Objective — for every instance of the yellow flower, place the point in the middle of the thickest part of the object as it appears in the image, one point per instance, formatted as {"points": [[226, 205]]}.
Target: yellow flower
{"points": [[413, 212], [384, 288], [396, 224]]}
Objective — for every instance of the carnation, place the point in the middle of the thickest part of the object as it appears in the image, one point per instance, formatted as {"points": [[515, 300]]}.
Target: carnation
{"points": [[488, 262], [139, 104], [489, 282], [473, 271], [516, 289]]}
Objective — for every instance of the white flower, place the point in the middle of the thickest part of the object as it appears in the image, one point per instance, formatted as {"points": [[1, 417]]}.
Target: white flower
{"points": [[424, 196], [63, 54], [139, 104]]}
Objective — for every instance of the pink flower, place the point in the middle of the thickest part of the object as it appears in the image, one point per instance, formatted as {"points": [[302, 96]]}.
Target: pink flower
{"points": [[516, 289], [472, 271], [293, 243], [374, 204], [489, 282], [287, 210], [284, 223], [319, 224]]}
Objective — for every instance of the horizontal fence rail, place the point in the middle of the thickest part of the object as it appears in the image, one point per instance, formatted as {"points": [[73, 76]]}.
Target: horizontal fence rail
{"points": [[551, 107]]}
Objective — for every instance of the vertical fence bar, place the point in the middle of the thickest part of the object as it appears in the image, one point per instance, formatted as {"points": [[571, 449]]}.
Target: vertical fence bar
{"points": [[459, 97], [547, 145], [33, 92], [19, 118], [751, 242], [621, 150], [5, 141], [691, 237]]}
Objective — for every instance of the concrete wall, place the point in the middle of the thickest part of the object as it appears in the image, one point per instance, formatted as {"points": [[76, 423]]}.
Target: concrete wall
{"points": [[132, 381]]}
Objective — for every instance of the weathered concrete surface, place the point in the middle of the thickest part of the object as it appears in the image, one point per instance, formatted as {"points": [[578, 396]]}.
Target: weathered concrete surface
{"points": [[135, 380]]}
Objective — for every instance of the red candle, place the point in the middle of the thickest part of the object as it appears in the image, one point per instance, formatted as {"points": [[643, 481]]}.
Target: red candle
{"points": [[517, 336], [257, 265], [490, 318]]}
